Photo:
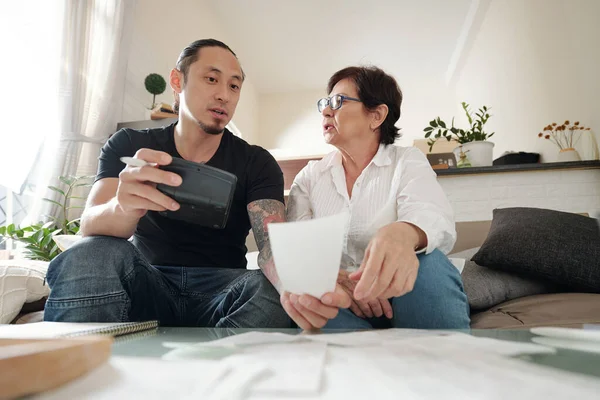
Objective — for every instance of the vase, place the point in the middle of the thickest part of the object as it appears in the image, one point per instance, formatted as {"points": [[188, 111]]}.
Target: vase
{"points": [[568, 155], [480, 153]]}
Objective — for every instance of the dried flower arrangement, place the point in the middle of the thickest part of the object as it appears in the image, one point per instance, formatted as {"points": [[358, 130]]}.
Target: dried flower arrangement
{"points": [[565, 136]]}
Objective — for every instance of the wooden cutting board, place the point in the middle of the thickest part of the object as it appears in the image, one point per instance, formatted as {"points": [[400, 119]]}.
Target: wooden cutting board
{"points": [[29, 366]]}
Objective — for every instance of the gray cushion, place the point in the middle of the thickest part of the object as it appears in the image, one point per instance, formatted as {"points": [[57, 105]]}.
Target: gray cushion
{"points": [[545, 244], [487, 287]]}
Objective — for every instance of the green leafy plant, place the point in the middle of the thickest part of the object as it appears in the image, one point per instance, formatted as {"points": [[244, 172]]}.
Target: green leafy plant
{"points": [[439, 128], [155, 84], [38, 237]]}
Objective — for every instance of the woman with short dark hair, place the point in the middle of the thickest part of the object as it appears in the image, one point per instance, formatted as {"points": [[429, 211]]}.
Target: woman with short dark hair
{"points": [[394, 271]]}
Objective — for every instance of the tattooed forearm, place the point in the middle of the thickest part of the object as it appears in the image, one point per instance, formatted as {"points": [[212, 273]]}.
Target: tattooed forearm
{"points": [[267, 265], [262, 213], [291, 208]]}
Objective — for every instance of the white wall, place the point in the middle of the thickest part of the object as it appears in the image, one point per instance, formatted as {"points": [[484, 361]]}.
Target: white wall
{"points": [[160, 33], [290, 124], [247, 112], [535, 62]]}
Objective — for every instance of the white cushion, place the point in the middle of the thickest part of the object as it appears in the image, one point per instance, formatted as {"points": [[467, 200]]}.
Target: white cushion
{"points": [[21, 281], [252, 258]]}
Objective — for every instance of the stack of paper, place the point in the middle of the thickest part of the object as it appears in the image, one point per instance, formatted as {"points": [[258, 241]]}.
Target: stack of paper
{"points": [[389, 364], [403, 371], [288, 369], [587, 339], [145, 378]]}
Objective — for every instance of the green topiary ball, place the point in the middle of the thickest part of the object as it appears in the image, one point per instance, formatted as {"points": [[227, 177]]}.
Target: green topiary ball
{"points": [[155, 84]]}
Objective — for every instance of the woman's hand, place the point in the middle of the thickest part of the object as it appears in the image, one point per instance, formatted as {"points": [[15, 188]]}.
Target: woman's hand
{"points": [[390, 266], [312, 313], [361, 308]]}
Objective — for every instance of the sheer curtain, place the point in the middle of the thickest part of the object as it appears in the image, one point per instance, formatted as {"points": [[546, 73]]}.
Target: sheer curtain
{"points": [[94, 43], [29, 68]]}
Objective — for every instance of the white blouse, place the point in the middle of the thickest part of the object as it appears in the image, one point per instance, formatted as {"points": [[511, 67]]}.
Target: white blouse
{"points": [[397, 185]]}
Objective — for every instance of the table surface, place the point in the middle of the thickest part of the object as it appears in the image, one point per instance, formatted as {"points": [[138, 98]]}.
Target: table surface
{"points": [[149, 344]]}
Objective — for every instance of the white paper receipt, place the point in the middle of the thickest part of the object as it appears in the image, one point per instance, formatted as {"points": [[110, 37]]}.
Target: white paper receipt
{"points": [[307, 254]]}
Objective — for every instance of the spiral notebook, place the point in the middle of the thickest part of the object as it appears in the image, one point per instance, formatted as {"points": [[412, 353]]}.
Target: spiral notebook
{"points": [[45, 330]]}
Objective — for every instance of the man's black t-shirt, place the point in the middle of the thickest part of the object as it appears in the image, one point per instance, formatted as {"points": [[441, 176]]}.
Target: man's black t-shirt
{"points": [[166, 241]]}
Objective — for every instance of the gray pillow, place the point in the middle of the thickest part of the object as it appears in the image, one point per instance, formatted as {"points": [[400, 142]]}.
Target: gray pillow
{"points": [[487, 287], [546, 244]]}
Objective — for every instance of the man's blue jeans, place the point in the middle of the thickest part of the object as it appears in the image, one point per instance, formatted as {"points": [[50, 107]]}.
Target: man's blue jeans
{"points": [[105, 279], [437, 301]]}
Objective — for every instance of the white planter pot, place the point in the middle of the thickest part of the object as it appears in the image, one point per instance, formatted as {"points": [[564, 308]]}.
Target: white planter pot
{"points": [[479, 153], [567, 155]]}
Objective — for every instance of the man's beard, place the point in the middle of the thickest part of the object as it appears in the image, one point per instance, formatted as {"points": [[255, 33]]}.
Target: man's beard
{"points": [[211, 130]]}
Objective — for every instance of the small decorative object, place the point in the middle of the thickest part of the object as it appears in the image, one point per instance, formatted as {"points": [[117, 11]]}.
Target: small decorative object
{"points": [[463, 161], [441, 160], [513, 158], [473, 139], [38, 238], [161, 111], [155, 84], [566, 137]]}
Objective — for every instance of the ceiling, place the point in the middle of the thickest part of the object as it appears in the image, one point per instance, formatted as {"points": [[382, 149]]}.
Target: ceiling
{"points": [[296, 45]]}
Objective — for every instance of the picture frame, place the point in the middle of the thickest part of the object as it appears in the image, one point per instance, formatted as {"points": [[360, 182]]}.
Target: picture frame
{"points": [[442, 160]]}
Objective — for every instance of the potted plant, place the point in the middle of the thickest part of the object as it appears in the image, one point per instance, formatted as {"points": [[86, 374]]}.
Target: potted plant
{"points": [[566, 137], [155, 84], [39, 239], [473, 140]]}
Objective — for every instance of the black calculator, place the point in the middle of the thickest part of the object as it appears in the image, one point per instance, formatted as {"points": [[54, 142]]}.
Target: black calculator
{"points": [[204, 196]]}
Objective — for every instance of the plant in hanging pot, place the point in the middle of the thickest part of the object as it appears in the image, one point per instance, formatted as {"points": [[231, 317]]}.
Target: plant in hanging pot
{"points": [[566, 137], [474, 140]]}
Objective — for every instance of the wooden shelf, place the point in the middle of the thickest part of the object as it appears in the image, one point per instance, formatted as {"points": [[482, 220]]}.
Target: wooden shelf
{"points": [[595, 164], [162, 115]]}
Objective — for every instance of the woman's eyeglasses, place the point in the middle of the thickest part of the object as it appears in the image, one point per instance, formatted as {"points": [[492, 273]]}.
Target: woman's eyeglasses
{"points": [[334, 102]]}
